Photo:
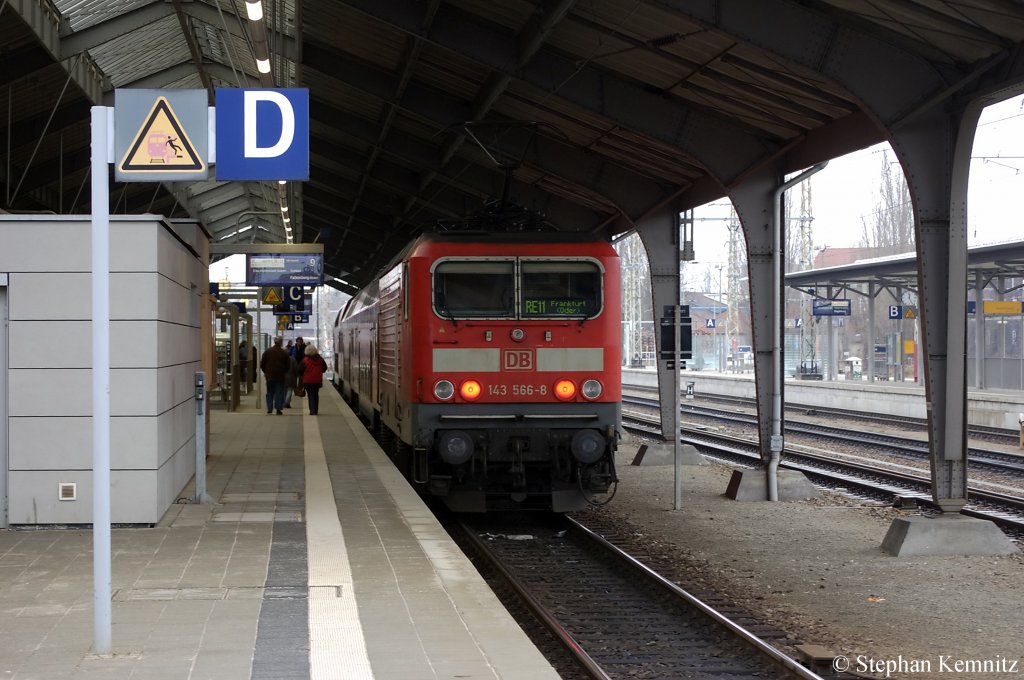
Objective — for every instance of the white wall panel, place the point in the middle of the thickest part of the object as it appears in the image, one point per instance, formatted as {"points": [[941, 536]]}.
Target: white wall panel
{"points": [[133, 247], [28, 246], [50, 392], [133, 497], [64, 344], [155, 352], [134, 344], [49, 296], [134, 295], [56, 443], [175, 474], [134, 392], [66, 443]]}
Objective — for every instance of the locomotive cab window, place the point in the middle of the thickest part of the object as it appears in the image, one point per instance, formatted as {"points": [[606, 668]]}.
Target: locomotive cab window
{"points": [[474, 289], [560, 289]]}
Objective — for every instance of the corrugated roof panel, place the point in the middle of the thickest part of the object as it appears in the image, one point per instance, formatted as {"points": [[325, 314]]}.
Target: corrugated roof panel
{"points": [[414, 125], [343, 97], [968, 30], [81, 14], [451, 73], [512, 14], [576, 194], [741, 63], [365, 38], [143, 52], [688, 62], [592, 134]]}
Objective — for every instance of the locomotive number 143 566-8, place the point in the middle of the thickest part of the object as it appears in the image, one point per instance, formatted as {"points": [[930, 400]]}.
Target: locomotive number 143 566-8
{"points": [[517, 390]]}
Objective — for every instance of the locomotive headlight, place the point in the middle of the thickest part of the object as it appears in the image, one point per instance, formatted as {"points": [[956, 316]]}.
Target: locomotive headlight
{"points": [[444, 390], [455, 447], [470, 390], [565, 389], [591, 389], [517, 335], [588, 446]]}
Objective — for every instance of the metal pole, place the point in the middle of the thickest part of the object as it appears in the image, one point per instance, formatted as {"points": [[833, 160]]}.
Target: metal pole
{"points": [[870, 358], [979, 330], [100, 383], [678, 406], [200, 385], [777, 443], [256, 349]]}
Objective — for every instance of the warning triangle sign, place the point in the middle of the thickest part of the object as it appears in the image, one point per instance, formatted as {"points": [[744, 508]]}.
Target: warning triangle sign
{"points": [[272, 296], [161, 145]]}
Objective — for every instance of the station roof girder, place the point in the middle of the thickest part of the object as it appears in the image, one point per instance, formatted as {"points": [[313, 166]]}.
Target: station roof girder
{"points": [[636, 103]]}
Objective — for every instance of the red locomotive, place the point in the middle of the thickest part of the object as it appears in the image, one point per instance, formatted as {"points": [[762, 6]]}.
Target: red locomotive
{"points": [[491, 363]]}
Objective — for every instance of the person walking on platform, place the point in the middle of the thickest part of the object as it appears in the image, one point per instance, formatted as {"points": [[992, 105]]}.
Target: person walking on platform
{"points": [[291, 381], [312, 372], [300, 349], [254, 355], [243, 360], [274, 364]]}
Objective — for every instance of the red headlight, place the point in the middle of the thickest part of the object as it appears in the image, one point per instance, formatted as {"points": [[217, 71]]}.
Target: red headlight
{"points": [[470, 390], [565, 389]]}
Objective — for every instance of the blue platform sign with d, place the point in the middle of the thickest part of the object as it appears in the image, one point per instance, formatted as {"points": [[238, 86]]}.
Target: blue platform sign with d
{"points": [[262, 134]]}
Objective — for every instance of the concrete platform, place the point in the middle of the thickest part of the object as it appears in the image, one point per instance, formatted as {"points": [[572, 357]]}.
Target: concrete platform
{"points": [[317, 561]]}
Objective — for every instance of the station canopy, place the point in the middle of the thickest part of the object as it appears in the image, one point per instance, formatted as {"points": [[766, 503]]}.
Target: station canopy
{"points": [[590, 114], [990, 262]]}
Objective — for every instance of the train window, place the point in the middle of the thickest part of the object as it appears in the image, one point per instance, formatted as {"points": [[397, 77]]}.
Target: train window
{"points": [[560, 289], [474, 289]]}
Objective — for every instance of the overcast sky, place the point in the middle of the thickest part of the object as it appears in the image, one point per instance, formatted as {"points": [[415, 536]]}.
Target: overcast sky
{"points": [[847, 190]]}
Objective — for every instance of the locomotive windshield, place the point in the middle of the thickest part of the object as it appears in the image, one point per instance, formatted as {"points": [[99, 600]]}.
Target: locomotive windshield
{"points": [[560, 289], [475, 289], [548, 289]]}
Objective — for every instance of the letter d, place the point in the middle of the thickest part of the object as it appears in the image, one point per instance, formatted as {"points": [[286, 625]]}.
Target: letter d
{"points": [[250, 99]]}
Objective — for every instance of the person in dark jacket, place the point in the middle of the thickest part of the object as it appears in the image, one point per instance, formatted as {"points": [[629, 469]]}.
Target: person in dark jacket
{"points": [[243, 360], [291, 381], [312, 371], [275, 364]]}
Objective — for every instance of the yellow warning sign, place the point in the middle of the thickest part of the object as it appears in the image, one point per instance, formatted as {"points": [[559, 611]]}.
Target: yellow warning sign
{"points": [[161, 145], [272, 295], [909, 313]]}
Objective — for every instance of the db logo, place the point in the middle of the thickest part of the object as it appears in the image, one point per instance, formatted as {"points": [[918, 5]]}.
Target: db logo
{"points": [[517, 360]]}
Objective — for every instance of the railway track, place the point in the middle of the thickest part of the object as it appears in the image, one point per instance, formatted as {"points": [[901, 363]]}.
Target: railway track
{"points": [[615, 616], [915, 449], [993, 435], [876, 482]]}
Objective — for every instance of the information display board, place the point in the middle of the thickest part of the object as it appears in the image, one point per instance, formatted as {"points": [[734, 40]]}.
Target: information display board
{"points": [[831, 308], [276, 269], [667, 324]]}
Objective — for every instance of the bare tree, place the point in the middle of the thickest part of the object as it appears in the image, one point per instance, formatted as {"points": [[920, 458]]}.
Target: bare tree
{"points": [[890, 228]]}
